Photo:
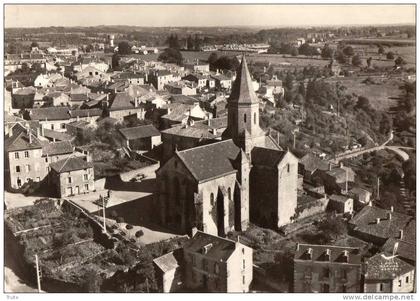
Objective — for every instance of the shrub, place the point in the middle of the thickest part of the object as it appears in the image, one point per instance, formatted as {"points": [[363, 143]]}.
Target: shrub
{"points": [[128, 227], [139, 233]]}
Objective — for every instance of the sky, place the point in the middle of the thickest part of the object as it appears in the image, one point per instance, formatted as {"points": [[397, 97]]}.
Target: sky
{"points": [[206, 15]]}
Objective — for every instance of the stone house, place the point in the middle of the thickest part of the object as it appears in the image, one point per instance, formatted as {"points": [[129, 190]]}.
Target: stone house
{"points": [[327, 269], [144, 137], [388, 274], [159, 78], [199, 79], [169, 270], [341, 204], [72, 176]]}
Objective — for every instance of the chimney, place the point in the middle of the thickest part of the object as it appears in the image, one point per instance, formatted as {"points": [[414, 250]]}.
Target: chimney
{"points": [[88, 157], [346, 255], [370, 204], [329, 166], [297, 246], [395, 250], [389, 216], [194, 231], [309, 251], [341, 164], [401, 234], [378, 220], [42, 130], [391, 209]]}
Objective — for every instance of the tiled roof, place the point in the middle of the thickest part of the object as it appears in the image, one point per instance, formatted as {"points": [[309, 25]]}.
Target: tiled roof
{"points": [[50, 113], [339, 198], [210, 161], [169, 261], [78, 97], [21, 142], [319, 252], [184, 99], [381, 267], [178, 112], [25, 91], [57, 148], [406, 247], [311, 162], [85, 113], [266, 157], [70, 164], [242, 88], [365, 221], [121, 101], [190, 131], [218, 248], [139, 132]]}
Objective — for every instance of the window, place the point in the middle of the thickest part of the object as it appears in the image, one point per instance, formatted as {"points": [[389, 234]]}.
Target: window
{"points": [[243, 279], [243, 250], [212, 199], [407, 279], [19, 182], [63, 125], [216, 268], [243, 264], [325, 272], [381, 287], [245, 118], [85, 177], [46, 159], [288, 167], [16, 155], [87, 187], [26, 154], [229, 193], [255, 118], [52, 126], [28, 168], [69, 180], [17, 168], [399, 283]]}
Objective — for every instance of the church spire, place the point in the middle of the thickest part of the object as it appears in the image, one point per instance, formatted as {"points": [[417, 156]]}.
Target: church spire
{"points": [[242, 89]]}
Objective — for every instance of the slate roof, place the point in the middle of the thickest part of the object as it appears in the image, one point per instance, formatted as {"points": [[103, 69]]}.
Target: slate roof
{"points": [[381, 267], [311, 163], [242, 88], [71, 164], [21, 142], [210, 161], [57, 148], [169, 261], [365, 222], [220, 250], [57, 135], [50, 113], [336, 253], [85, 113], [139, 132], [266, 157]]}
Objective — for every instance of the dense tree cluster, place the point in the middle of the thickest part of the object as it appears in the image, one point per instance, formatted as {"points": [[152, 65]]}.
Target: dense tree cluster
{"points": [[171, 55]]}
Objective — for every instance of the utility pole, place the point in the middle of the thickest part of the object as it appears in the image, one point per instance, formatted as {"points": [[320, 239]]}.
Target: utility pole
{"points": [[294, 139], [103, 212], [38, 273], [377, 189]]}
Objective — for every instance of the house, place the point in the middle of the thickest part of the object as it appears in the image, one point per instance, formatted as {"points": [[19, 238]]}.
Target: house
{"points": [[198, 66], [55, 136], [54, 118], [170, 271], [208, 186], [216, 264], [199, 79], [47, 80], [222, 82], [309, 163], [327, 269], [144, 137], [79, 127], [341, 204], [181, 87], [72, 176], [58, 99], [133, 78], [403, 244], [334, 179], [92, 73], [360, 195], [388, 274], [125, 107], [274, 87], [159, 78], [377, 225], [179, 113]]}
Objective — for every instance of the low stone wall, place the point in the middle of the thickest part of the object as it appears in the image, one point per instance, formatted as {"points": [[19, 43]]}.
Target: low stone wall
{"points": [[318, 207]]}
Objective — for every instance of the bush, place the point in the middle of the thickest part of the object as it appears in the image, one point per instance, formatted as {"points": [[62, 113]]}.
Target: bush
{"points": [[129, 227], [120, 219], [139, 233]]}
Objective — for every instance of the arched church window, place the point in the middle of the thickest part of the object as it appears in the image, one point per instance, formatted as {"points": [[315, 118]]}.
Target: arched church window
{"points": [[245, 118], [212, 199]]}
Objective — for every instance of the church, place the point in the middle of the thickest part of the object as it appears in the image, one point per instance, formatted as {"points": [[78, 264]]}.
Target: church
{"points": [[222, 186]]}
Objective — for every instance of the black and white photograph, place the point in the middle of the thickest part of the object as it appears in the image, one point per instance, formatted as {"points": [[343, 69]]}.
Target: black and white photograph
{"points": [[209, 148]]}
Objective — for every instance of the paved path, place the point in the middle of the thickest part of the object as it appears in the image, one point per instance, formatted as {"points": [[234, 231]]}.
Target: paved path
{"points": [[399, 151]]}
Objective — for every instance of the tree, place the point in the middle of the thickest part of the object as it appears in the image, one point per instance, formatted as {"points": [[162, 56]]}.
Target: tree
{"points": [[212, 60], [381, 49], [115, 63], [399, 61], [173, 42], [390, 55], [369, 62], [227, 63], [332, 227], [289, 81], [327, 52], [92, 282], [348, 51], [197, 43], [171, 55], [356, 60], [124, 48], [294, 52], [341, 58], [363, 103], [34, 45], [190, 43], [307, 50]]}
